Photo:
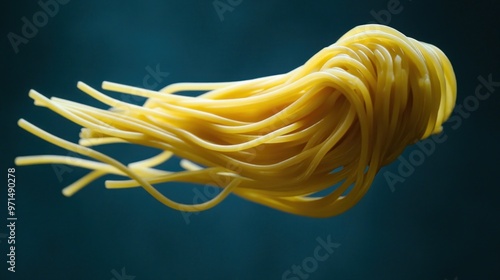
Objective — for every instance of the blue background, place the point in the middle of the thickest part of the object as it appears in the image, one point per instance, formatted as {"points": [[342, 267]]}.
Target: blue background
{"points": [[442, 222]]}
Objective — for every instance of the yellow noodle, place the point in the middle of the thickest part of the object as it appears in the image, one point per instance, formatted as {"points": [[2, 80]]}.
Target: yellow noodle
{"points": [[331, 123]]}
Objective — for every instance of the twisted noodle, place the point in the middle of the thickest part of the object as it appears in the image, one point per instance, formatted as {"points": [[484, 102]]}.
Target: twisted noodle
{"points": [[278, 141]]}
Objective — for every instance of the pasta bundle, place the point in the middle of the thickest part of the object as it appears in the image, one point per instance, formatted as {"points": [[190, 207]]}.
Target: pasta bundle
{"points": [[281, 140]]}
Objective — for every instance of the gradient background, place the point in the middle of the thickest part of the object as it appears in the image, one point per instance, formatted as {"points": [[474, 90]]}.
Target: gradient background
{"points": [[442, 222]]}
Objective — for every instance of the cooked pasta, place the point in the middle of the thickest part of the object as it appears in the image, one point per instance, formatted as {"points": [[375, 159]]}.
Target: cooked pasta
{"points": [[279, 141]]}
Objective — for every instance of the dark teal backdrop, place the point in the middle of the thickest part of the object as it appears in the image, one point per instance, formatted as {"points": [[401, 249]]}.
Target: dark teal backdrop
{"points": [[438, 220]]}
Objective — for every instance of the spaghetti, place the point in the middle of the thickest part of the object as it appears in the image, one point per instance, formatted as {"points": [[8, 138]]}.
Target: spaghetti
{"points": [[330, 124]]}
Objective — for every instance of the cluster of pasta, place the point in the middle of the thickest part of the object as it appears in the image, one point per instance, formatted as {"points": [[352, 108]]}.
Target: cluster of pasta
{"points": [[330, 124]]}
